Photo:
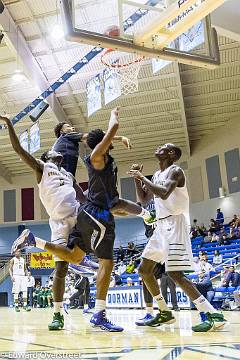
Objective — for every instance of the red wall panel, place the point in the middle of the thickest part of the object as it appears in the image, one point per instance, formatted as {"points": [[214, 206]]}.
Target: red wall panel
{"points": [[27, 204]]}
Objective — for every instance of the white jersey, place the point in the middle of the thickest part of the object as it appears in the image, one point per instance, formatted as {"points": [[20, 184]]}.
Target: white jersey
{"points": [[18, 267], [178, 201], [57, 193]]}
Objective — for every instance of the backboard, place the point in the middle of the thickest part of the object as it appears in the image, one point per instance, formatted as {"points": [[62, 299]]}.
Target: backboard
{"points": [[163, 29]]}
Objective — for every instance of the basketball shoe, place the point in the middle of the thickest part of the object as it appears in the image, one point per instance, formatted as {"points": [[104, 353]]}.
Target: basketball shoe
{"points": [[25, 239], [99, 319], [162, 317], [141, 322], [210, 322], [57, 323], [26, 308], [151, 219]]}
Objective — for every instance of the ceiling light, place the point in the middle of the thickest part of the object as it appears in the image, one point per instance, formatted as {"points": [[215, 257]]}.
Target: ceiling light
{"points": [[57, 32], [18, 76]]}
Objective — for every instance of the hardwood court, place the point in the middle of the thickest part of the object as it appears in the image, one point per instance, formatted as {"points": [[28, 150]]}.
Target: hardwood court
{"points": [[28, 333]]}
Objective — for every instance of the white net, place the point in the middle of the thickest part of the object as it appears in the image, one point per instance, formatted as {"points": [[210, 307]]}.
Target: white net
{"points": [[126, 66]]}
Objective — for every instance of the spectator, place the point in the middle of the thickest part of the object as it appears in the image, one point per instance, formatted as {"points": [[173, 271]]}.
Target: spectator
{"points": [[236, 295], [219, 217], [201, 254], [206, 267], [197, 265], [197, 231], [120, 253], [204, 286], [36, 293], [213, 226], [129, 281], [217, 258], [231, 276], [116, 279], [30, 288], [131, 249], [207, 239], [215, 237], [130, 268], [121, 268], [223, 238], [232, 234], [235, 222]]}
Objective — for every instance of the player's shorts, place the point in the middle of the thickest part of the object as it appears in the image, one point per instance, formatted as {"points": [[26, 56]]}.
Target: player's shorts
{"points": [[60, 230], [170, 244], [20, 284], [94, 231]]}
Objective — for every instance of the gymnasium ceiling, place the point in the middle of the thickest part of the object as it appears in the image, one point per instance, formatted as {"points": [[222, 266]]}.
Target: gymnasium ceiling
{"points": [[180, 104]]}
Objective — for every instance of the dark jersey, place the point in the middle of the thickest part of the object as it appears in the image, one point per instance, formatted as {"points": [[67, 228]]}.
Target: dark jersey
{"points": [[102, 184], [68, 144]]}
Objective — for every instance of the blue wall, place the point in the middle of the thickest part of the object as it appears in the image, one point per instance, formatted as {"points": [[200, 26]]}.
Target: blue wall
{"points": [[6, 286], [127, 229]]}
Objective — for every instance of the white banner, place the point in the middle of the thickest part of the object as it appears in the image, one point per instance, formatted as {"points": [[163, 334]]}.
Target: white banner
{"points": [[23, 139], [93, 88], [34, 138], [183, 300], [192, 38], [158, 64], [112, 86]]}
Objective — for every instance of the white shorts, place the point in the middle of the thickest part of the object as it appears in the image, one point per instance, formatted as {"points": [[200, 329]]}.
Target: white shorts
{"points": [[60, 230], [171, 244], [20, 284]]}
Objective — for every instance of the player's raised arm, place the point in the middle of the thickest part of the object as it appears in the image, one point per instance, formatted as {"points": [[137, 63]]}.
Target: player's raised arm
{"points": [[161, 191], [99, 152], [24, 155], [143, 193]]}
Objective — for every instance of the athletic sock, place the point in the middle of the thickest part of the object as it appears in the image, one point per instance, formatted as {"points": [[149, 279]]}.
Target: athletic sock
{"points": [[161, 303], [100, 305], [40, 243], [144, 214], [149, 310], [58, 307], [203, 305]]}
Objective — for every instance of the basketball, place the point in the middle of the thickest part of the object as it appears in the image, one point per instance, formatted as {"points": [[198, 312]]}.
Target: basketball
{"points": [[113, 30]]}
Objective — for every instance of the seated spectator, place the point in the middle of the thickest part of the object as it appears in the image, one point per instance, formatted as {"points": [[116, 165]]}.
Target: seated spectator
{"points": [[196, 265], [217, 258], [235, 222], [213, 226], [194, 225], [219, 217], [204, 286], [232, 233], [207, 239], [223, 238], [236, 295], [201, 254], [131, 249], [130, 281], [206, 267], [121, 268], [115, 280], [197, 231], [215, 237], [130, 268], [120, 254], [231, 276]]}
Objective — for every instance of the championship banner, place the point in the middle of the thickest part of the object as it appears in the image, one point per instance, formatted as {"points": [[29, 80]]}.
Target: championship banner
{"points": [[93, 88], [192, 38], [23, 139], [112, 86], [42, 260], [34, 138]]}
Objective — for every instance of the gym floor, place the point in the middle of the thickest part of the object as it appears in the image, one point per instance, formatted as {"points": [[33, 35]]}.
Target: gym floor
{"points": [[25, 335]]}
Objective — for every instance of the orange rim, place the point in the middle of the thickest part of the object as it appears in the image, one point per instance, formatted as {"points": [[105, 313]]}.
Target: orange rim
{"points": [[108, 51]]}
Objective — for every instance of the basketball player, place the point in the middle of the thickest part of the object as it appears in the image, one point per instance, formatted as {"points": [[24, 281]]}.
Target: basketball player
{"points": [[18, 274], [170, 242], [67, 144], [95, 228], [59, 199]]}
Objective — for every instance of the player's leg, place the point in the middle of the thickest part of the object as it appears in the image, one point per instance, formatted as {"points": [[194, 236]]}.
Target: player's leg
{"points": [[172, 287], [213, 319], [16, 291], [164, 316], [127, 207], [23, 288], [149, 306]]}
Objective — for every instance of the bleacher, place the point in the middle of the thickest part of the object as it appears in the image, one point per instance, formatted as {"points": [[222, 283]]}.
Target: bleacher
{"points": [[230, 257]]}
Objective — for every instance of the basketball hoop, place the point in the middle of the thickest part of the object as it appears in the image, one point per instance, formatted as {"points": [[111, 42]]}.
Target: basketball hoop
{"points": [[125, 66]]}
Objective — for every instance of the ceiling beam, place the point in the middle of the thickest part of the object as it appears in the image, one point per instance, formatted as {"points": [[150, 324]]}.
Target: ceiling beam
{"points": [[17, 43]]}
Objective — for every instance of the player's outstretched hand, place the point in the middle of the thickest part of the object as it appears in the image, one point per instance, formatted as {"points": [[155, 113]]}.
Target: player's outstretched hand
{"points": [[136, 174], [126, 142], [115, 112]]}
